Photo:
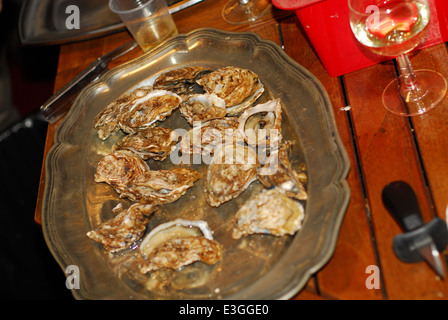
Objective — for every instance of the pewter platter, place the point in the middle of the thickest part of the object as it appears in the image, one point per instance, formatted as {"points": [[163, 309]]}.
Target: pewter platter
{"points": [[254, 267]]}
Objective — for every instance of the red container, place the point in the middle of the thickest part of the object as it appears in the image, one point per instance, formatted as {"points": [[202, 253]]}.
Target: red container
{"points": [[327, 25]]}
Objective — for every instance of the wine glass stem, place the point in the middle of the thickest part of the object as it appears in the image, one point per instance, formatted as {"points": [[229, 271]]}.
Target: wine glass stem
{"points": [[409, 81]]}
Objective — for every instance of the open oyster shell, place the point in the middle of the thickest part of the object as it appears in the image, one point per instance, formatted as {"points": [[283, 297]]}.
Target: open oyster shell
{"points": [[239, 88], [261, 125], [136, 110], [181, 80], [233, 169], [151, 143], [125, 228], [178, 243], [269, 212], [278, 172], [203, 107]]}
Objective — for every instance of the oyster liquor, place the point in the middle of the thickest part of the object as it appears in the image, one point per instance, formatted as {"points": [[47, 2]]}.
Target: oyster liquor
{"points": [[227, 309]]}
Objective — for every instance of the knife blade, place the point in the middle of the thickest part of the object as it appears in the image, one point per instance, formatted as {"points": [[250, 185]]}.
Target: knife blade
{"points": [[58, 104], [401, 202]]}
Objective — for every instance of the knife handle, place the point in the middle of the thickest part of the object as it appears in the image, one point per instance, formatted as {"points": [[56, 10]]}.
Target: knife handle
{"points": [[60, 102], [401, 202]]}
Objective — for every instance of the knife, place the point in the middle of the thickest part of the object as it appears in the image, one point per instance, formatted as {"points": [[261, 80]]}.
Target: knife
{"points": [[419, 241], [60, 102]]}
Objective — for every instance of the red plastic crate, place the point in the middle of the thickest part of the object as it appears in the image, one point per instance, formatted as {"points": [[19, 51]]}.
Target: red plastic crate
{"points": [[327, 25]]}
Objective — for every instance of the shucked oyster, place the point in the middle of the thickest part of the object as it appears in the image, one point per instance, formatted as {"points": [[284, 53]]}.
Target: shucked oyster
{"points": [[261, 125], [203, 139], [150, 143], [119, 170], [136, 110], [179, 243], [125, 228], [269, 212], [238, 87], [278, 172], [233, 169], [180, 81], [203, 107], [162, 186]]}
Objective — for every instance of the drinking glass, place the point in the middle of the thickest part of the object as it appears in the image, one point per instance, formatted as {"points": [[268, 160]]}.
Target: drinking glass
{"points": [[393, 28], [244, 11]]}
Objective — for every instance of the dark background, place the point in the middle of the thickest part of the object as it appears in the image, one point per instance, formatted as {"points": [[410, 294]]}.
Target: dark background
{"points": [[27, 268]]}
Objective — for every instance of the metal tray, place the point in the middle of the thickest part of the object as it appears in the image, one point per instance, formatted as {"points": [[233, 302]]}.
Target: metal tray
{"points": [[255, 267], [42, 22]]}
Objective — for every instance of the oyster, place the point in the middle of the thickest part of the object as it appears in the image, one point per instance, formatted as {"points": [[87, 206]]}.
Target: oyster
{"points": [[181, 80], [107, 121], [125, 228], [136, 110], [145, 111], [239, 88], [203, 139], [119, 170], [203, 107], [261, 125], [233, 169], [269, 212], [150, 143], [162, 186], [179, 243], [278, 172]]}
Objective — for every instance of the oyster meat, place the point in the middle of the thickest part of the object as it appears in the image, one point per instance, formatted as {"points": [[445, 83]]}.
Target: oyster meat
{"points": [[278, 172], [269, 212], [203, 107], [162, 186], [119, 170], [179, 243], [136, 110], [233, 169], [204, 138], [261, 125], [239, 88], [181, 80], [125, 228], [150, 143]]}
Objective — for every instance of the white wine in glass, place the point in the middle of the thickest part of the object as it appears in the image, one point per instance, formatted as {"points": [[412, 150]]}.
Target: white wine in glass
{"points": [[394, 28], [244, 11]]}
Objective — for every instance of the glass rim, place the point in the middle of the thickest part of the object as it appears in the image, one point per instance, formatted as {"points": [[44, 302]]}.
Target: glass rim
{"points": [[113, 8]]}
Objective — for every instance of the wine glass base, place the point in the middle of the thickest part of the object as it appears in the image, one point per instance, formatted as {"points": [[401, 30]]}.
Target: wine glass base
{"points": [[235, 12], [432, 88]]}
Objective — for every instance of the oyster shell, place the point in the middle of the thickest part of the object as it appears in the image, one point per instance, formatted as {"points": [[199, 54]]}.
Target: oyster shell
{"points": [[136, 110], [162, 186], [203, 107], [204, 138], [181, 80], [233, 169], [145, 111], [125, 228], [179, 243], [119, 170], [269, 212], [151, 143], [278, 172], [107, 121], [239, 88], [261, 124]]}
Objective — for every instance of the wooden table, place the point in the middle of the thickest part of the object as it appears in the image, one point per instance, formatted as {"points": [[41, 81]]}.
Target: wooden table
{"points": [[382, 148]]}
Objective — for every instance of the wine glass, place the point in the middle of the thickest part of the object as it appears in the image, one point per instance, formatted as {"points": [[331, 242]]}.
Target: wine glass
{"points": [[244, 11], [394, 28]]}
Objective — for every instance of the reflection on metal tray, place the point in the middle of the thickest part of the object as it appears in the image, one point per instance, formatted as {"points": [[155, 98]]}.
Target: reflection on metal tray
{"points": [[254, 267], [43, 22]]}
